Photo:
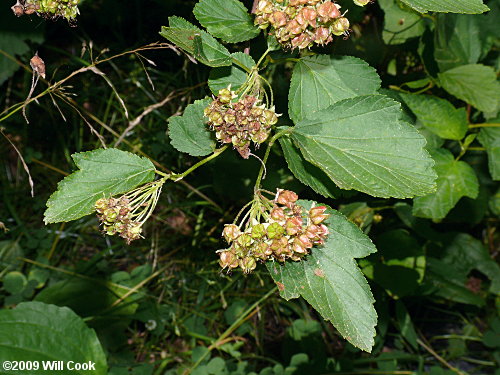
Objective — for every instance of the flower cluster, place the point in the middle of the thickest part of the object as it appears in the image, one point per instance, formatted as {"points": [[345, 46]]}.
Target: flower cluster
{"points": [[115, 215], [240, 122], [48, 8], [126, 215], [301, 23], [289, 232]]}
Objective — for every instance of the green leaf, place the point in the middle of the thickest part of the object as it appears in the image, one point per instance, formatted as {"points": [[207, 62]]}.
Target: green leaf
{"points": [[235, 75], [306, 172], [103, 172], [438, 115], [330, 280], [14, 282], [189, 133], [226, 19], [400, 22], [457, 40], [320, 81], [362, 144], [36, 331], [448, 283], [447, 6], [465, 253], [14, 32], [490, 139], [204, 47], [456, 179], [475, 84]]}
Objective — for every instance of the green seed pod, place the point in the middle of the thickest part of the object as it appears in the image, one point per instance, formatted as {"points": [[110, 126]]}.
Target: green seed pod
{"points": [[248, 264], [340, 26], [258, 231], [109, 215], [361, 3], [275, 230], [225, 96], [244, 240]]}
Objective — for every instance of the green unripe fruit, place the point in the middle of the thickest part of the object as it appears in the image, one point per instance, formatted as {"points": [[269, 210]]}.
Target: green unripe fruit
{"points": [[225, 96], [244, 240], [275, 230], [248, 264], [258, 231]]}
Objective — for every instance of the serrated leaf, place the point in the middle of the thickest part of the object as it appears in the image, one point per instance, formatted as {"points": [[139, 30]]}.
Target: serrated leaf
{"points": [[42, 332], [475, 84], [306, 172], [457, 40], [400, 22], [447, 6], [330, 280], [103, 172], [204, 47], [189, 133], [456, 179], [438, 115], [235, 75], [226, 19], [490, 139], [362, 144], [320, 81]]}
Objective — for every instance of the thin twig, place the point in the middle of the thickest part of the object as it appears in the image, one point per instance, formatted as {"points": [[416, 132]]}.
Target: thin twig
{"points": [[25, 166]]}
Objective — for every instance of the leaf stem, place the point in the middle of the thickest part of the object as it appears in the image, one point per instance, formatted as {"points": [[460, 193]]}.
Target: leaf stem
{"points": [[263, 57], [485, 125], [266, 156], [178, 177]]}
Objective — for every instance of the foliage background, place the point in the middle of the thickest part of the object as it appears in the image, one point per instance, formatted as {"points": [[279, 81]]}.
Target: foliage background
{"points": [[160, 304]]}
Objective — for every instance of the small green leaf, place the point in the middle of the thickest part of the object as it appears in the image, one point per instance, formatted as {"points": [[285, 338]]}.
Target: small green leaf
{"points": [[446, 6], [475, 84], [103, 172], [306, 172], [490, 139], [226, 19], [456, 179], [41, 332], [204, 47], [400, 22], [457, 40], [362, 144], [320, 81], [235, 75], [438, 115], [189, 133], [330, 280], [14, 282]]}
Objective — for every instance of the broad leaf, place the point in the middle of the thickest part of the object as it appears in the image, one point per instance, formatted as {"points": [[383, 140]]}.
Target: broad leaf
{"points": [[226, 19], [446, 282], [306, 172], [490, 139], [465, 253], [234, 75], [189, 133], [36, 331], [400, 22], [320, 81], [362, 144], [330, 280], [475, 84], [447, 6], [457, 40], [438, 115], [204, 47], [103, 172], [13, 34], [456, 179]]}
